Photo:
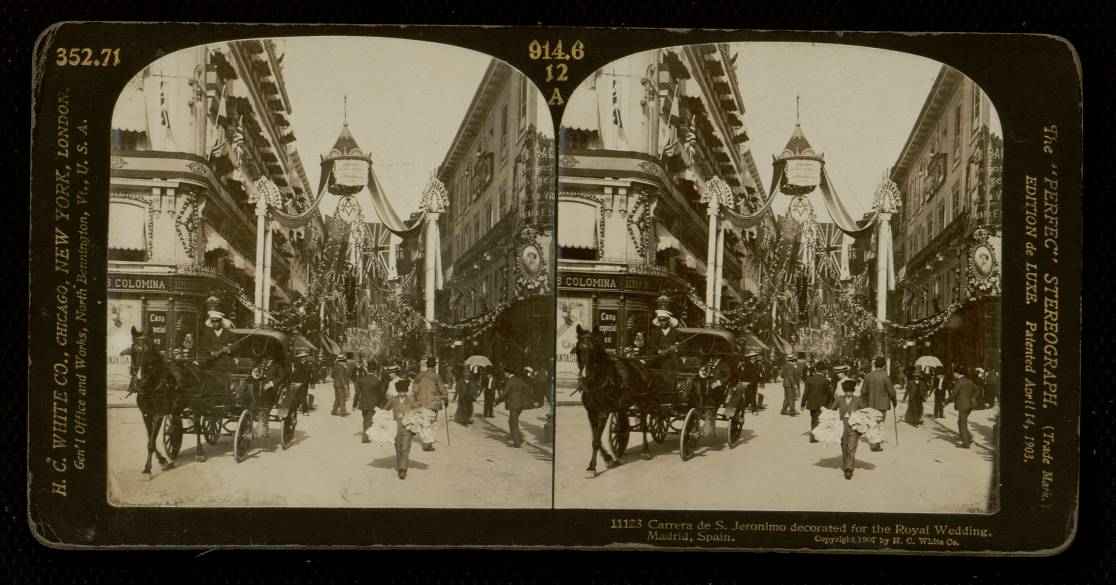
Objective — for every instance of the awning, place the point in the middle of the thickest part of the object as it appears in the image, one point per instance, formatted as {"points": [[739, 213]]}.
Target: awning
{"points": [[130, 113], [581, 109], [127, 226], [579, 225], [752, 343]]}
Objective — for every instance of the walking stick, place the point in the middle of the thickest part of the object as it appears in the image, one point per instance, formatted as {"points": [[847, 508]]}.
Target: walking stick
{"points": [[895, 421], [446, 409]]}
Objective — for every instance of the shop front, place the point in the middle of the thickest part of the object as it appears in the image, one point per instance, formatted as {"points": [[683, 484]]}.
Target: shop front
{"points": [[617, 305], [170, 308]]}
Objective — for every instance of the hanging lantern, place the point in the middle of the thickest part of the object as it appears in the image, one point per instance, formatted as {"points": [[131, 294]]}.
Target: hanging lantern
{"points": [[346, 167], [801, 166]]}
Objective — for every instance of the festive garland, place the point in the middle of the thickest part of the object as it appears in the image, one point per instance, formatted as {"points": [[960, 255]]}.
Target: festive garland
{"points": [[639, 222], [188, 219]]}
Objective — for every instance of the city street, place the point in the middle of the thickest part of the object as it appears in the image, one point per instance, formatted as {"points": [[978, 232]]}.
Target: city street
{"points": [[326, 465], [774, 467]]}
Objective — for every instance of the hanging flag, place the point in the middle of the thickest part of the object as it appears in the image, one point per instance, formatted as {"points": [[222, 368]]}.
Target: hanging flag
{"points": [[617, 119], [214, 128]]}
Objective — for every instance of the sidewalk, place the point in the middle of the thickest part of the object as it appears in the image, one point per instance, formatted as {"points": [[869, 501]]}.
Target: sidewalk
{"points": [[982, 423], [531, 423]]}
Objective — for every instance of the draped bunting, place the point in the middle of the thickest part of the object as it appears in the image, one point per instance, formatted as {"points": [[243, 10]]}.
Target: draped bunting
{"points": [[387, 214], [745, 221], [294, 221], [840, 215]]}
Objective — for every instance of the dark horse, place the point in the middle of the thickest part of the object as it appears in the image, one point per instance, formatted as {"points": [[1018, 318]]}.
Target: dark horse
{"points": [[609, 384], [157, 393]]}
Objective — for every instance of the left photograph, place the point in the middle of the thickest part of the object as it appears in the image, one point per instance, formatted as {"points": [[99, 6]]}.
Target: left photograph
{"points": [[331, 279]]}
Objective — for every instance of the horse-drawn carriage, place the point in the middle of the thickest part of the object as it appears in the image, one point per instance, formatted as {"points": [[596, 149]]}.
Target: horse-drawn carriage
{"points": [[662, 395], [674, 408], [249, 382]]}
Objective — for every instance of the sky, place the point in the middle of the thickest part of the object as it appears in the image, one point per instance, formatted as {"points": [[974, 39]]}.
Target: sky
{"points": [[401, 111], [857, 106]]}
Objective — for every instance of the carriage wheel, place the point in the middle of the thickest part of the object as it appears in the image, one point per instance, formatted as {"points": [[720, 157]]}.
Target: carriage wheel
{"points": [[172, 436], [286, 431], [736, 425], [690, 435], [211, 429], [242, 440], [619, 429], [660, 426]]}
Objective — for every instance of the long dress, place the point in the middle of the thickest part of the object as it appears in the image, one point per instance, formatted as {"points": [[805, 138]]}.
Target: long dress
{"points": [[916, 394], [466, 392]]}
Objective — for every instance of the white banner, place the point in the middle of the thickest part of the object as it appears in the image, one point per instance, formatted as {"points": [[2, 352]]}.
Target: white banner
{"points": [[803, 172], [350, 172]]}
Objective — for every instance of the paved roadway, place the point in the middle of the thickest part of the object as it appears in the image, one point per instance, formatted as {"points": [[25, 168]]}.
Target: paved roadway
{"points": [[327, 466], [775, 467]]}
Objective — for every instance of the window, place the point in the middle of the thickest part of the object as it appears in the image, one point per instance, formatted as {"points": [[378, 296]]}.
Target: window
{"points": [[523, 103], [504, 133], [577, 240], [956, 199], [932, 224], [976, 108], [503, 200], [957, 134], [128, 237], [941, 216]]}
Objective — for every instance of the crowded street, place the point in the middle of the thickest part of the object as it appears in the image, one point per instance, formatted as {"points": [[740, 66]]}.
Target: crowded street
{"points": [[474, 468], [774, 467]]}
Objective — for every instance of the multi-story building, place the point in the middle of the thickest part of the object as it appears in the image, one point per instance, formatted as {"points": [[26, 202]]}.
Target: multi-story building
{"points": [[639, 141], [497, 234], [190, 132], [947, 232]]}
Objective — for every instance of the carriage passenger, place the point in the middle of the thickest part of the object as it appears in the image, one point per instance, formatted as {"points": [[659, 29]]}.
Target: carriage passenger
{"points": [[665, 338], [706, 393]]}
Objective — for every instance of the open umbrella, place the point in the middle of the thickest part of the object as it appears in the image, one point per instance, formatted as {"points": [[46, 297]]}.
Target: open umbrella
{"points": [[928, 361], [478, 361]]}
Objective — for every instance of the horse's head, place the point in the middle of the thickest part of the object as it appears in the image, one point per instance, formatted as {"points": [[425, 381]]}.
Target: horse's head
{"points": [[144, 355], [587, 345]]}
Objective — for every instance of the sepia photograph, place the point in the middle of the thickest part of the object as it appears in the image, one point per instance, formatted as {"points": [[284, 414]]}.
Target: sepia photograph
{"points": [[330, 279], [554, 288], [779, 283]]}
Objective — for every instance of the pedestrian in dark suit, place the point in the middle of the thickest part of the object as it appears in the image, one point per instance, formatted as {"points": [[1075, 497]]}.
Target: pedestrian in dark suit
{"points": [[340, 386], [542, 386], [992, 387], [488, 385], [517, 396], [879, 391], [750, 377], [818, 394], [964, 395], [941, 390], [790, 386], [845, 405], [368, 395]]}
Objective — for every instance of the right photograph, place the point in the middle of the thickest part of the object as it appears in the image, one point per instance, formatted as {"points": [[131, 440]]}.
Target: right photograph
{"points": [[778, 283]]}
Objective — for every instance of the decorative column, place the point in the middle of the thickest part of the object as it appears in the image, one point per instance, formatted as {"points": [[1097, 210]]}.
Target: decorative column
{"points": [[266, 291], [434, 201], [886, 202], [719, 274], [716, 193], [264, 194]]}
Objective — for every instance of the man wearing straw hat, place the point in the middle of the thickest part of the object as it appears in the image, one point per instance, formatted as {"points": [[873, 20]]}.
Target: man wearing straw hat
{"points": [[750, 377], [790, 386], [663, 340], [880, 392], [340, 385], [847, 403], [216, 338]]}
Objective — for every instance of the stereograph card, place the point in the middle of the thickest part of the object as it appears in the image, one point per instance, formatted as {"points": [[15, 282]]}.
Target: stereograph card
{"points": [[554, 288]]}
